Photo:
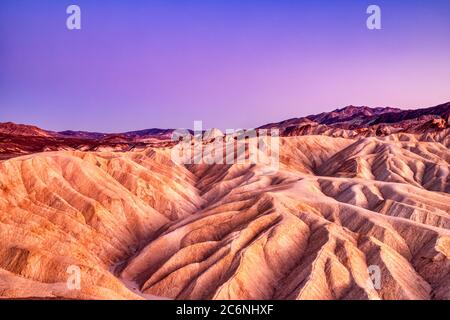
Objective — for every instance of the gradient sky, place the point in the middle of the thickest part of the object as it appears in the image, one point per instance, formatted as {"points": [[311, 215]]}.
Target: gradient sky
{"points": [[231, 63]]}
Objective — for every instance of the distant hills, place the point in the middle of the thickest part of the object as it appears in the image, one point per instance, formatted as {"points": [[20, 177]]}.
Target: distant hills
{"points": [[349, 122], [350, 117]]}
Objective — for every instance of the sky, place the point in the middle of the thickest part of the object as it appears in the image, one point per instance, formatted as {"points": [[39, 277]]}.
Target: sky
{"points": [[139, 64]]}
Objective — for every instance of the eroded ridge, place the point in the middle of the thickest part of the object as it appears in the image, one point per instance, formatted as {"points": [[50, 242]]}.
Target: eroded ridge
{"points": [[140, 226]]}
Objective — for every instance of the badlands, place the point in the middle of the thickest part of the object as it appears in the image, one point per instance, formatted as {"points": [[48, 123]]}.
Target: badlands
{"points": [[357, 188]]}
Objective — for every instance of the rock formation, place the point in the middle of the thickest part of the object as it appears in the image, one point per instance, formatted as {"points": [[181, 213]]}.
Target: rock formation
{"points": [[349, 196]]}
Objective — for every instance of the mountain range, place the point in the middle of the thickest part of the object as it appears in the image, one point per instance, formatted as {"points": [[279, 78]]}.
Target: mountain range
{"points": [[351, 121]]}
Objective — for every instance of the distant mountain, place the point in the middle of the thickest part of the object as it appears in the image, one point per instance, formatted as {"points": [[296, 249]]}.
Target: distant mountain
{"points": [[352, 121], [139, 134], [14, 129], [83, 134], [440, 111], [150, 133], [352, 114], [147, 133]]}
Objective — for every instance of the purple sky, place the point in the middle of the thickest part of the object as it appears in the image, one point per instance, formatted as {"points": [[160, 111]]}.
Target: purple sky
{"points": [[165, 63]]}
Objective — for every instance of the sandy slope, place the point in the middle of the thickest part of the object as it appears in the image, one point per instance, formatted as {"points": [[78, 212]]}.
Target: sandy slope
{"points": [[310, 231]]}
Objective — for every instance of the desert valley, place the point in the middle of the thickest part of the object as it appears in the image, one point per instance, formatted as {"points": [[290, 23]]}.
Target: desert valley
{"points": [[356, 188]]}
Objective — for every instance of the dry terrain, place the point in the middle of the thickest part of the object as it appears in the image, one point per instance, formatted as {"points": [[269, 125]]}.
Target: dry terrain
{"points": [[357, 187]]}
